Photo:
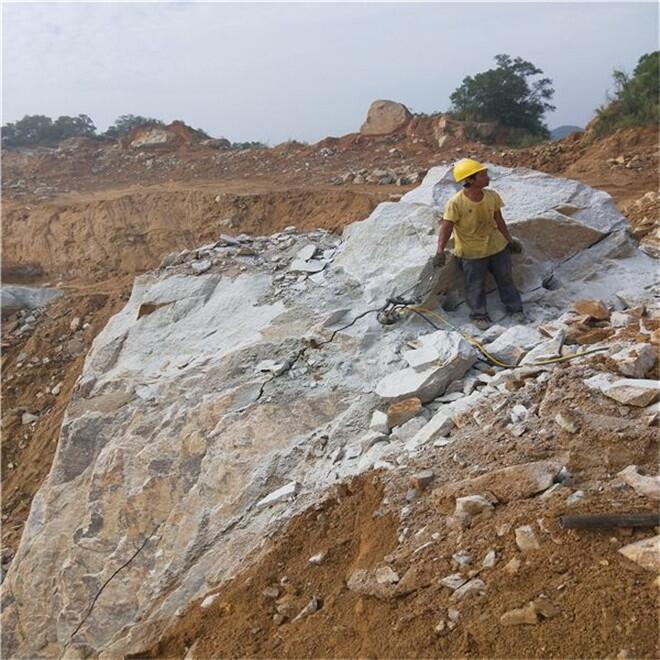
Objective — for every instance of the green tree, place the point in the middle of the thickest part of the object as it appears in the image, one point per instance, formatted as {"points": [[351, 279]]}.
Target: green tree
{"points": [[636, 97], [508, 94], [67, 127], [126, 123], [40, 130]]}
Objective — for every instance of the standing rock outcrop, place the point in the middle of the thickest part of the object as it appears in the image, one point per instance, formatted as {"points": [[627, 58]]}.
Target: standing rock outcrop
{"points": [[385, 117]]}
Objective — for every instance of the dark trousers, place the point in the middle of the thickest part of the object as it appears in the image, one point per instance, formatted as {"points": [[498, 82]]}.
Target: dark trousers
{"points": [[475, 272]]}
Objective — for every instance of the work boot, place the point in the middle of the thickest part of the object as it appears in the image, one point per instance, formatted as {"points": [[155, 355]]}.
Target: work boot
{"points": [[483, 323], [519, 317]]}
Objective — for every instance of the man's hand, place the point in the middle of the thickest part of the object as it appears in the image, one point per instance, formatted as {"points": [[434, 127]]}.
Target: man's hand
{"points": [[439, 260], [516, 246]]}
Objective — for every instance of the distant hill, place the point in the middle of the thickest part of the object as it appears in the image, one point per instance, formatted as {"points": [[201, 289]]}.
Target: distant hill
{"points": [[562, 131]]}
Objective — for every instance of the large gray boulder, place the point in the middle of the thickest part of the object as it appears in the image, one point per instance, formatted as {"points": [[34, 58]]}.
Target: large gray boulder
{"points": [[390, 253], [573, 236]]}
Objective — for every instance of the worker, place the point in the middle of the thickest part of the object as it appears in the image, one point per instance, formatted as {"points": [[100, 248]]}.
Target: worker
{"points": [[482, 242]]}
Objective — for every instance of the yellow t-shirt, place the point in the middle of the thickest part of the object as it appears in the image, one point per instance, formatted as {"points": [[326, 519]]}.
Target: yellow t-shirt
{"points": [[475, 232]]}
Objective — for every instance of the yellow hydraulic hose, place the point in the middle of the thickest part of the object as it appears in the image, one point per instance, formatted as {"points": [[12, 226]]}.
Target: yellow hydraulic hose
{"points": [[491, 358]]}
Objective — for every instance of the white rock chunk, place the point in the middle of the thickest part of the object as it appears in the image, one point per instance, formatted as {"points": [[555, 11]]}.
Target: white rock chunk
{"points": [[475, 587], [620, 319], [637, 392], [453, 581], [273, 367], [645, 553], [490, 559], [526, 538], [438, 426], [378, 422], [646, 486], [280, 495], [399, 240], [199, 267], [519, 413], [386, 575], [313, 266], [455, 357], [28, 418], [306, 253], [512, 344], [208, 601], [471, 505], [635, 361], [318, 558]]}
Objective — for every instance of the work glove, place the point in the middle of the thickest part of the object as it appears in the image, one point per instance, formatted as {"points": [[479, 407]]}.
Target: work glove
{"points": [[515, 246], [439, 260]]}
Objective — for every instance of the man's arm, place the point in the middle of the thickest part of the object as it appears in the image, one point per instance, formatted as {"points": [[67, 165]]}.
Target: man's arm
{"points": [[501, 225], [446, 228]]}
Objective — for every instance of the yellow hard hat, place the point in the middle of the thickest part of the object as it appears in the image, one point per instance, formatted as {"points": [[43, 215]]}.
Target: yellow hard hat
{"points": [[467, 167]]}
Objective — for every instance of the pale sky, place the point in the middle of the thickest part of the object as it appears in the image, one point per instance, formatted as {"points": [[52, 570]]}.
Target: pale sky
{"points": [[274, 71]]}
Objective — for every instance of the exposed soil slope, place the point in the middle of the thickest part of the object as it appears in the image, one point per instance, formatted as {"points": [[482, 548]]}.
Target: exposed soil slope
{"points": [[92, 238]]}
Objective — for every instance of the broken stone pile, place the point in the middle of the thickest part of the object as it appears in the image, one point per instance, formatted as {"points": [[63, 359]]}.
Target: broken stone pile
{"points": [[632, 161], [243, 378], [404, 176], [22, 306], [644, 216]]}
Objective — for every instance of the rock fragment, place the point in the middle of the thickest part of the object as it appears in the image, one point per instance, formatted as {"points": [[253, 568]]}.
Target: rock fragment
{"points": [[421, 480], [637, 392], [453, 581], [318, 558], [208, 601], [386, 575], [469, 506], [199, 267], [567, 422], [313, 606], [28, 418], [474, 587], [489, 560], [437, 427], [646, 486], [635, 361], [522, 616], [400, 412], [271, 592], [508, 484], [595, 309], [379, 422], [454, 356], [287, 492], [512, 344], [526, 538]]}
